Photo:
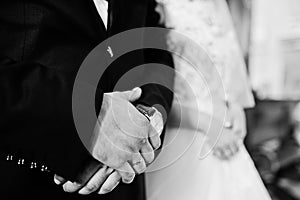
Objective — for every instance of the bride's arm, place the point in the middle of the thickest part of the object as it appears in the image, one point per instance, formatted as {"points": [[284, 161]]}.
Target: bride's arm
{"points": [[187, 117], [225, 138]]}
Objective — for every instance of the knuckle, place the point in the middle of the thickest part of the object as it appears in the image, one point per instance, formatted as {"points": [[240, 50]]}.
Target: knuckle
{"points": [[145, 122], [139, 133], [99, 153], [121, 160], [153, 133], [116, 165], [91, 187], [143, 142], [106, 190], [148, 150], [132, 148], [141, 169], [142, 121], [127, 144], [102, 157], [157, 143], [115, 161]]}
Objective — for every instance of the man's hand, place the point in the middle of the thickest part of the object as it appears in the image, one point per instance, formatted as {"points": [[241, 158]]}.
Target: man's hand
{"points": [[124, 140], [93, 184], [104, 181]]}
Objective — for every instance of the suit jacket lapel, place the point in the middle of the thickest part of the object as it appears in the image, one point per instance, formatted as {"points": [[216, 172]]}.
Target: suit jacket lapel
{"points": [[97, 19], [110, 15], [122, 15]]}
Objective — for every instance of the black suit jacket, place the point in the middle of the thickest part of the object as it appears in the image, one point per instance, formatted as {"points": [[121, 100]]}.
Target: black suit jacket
{"points": [[42, 45]]}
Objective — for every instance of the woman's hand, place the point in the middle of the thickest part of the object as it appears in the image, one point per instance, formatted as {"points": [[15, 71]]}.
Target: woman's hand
{"points": [[104, 181], [233, 134]]}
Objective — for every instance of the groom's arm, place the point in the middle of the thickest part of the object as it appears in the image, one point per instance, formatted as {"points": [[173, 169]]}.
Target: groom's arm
{"points": [[36, 122], [159, 96], [158, 91]]}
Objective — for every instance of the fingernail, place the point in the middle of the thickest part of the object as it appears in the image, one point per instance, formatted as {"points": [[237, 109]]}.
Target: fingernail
{"points": [[137, 89], [65, 187], [158, 145], [111, 189], [103, 191], [115, 185], [110, 170], [57, 182], [83, 191], [71, 187]]}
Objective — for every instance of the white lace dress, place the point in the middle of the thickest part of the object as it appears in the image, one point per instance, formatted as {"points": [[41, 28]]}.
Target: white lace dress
{"points": [[178, 173]]}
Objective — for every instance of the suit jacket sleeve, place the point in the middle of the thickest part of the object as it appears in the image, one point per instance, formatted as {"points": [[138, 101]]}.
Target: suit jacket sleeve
{"points": [[158, 94], [41, 51], [36, 118]]}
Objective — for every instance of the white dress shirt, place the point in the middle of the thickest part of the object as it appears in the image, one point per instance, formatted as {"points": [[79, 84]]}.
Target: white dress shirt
{"points": [[102, 8]]}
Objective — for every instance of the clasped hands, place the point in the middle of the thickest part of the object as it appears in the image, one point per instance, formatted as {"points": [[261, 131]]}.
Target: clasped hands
{"points": [[124, 141]]}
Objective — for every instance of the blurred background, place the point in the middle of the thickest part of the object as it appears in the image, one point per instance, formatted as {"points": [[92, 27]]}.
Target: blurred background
{"points": [[269, 34]]}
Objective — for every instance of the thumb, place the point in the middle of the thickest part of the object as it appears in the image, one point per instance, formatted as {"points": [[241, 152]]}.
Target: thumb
{"points": [[132, 95]]}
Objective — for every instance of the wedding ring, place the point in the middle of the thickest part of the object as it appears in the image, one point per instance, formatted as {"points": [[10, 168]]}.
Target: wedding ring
{"points": [[228, 125], [228, 152]]}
